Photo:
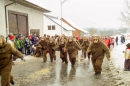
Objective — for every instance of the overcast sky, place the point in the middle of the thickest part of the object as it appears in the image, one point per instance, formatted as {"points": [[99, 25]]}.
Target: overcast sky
{"points": [[88, 13]]}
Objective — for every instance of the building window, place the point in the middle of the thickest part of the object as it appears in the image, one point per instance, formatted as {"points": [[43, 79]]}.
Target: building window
{"points": [[49, 27], [53, 27]]}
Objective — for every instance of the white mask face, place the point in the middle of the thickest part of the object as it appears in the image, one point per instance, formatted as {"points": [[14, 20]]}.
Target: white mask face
{"points": [[62, 42], [85, 39], [42, 39], [95, 40], [50, 41], [70, 40]]}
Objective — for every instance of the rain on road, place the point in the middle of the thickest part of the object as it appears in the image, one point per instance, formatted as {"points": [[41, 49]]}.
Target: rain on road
{"points": [[34, 72]]}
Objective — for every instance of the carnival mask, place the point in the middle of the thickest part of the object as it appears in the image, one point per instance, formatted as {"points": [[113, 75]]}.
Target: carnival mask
{"points": [[95, 40]]}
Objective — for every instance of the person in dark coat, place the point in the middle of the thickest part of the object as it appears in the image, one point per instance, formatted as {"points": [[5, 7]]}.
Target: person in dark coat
{"points": [[6, 52], [116, 40], [98, 50], [34, 40], [27, 46]]}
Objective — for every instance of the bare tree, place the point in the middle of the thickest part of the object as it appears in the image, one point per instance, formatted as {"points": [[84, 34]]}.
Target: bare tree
{"points": [[126, 13], [92, 31], [108, 32]]}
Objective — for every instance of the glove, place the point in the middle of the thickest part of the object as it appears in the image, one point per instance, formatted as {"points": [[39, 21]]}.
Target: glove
{"points": [[22, 58]]}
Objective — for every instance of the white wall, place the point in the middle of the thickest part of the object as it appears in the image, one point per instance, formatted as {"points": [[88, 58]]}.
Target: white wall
{"points": [[57, 30], [67, 33], [51, 32], [35, 17], [2, 19]]}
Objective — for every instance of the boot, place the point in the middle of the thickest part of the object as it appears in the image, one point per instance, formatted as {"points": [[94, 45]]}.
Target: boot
{"points": [[44, 60], [98, 73], [12, 82], [52, 60]]}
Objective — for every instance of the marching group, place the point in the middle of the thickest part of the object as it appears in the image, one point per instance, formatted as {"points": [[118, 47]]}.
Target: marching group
{"points": [[35, 45], [68, 46]]}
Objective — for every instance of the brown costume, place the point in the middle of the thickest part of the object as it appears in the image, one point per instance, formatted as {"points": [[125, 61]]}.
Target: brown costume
{"points": [[98, 50], [38, 51], [52, 49], [6, 52], [78, 45], [43, 44], [63, 37], [85, 46], [48, 37], [72, 48], [63, 53], [81, 41]]}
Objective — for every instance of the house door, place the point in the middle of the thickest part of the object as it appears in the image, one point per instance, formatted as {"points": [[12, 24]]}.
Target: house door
{"points": [[18, 23], [13, 28], [22, 25]]}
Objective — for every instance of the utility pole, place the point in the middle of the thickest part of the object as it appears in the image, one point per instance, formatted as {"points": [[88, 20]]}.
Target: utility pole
{"points": [[61, 15]]}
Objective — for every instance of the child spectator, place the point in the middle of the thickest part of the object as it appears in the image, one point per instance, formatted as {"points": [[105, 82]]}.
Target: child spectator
{"points": [[127, 58]]}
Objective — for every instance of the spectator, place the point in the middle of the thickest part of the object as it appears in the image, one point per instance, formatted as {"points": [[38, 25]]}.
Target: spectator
{"points": [[117, 40]]}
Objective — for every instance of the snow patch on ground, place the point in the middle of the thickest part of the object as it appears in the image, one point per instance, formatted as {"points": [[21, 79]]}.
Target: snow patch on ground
{"points": [[119, 77]]}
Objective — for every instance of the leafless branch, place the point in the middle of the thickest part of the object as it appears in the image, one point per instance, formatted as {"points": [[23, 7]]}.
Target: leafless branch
{"points": [[126, 13]]}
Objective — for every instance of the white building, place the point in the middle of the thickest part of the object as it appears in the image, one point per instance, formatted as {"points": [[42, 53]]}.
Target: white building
{"points": [[52, 26], [21, 17]]}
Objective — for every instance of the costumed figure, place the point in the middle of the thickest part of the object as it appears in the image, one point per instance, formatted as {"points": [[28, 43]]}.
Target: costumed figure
{"points": [[43, 44], [72, 48], [98, 50], [6, 62], [63, 52], [52, 49], [85, 46]]}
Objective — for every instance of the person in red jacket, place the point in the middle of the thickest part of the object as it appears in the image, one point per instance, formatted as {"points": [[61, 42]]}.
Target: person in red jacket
{"points": [[106, 42], [109, 42]]}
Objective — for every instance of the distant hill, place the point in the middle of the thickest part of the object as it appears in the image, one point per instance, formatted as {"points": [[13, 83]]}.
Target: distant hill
{"points": [[102, 28]]}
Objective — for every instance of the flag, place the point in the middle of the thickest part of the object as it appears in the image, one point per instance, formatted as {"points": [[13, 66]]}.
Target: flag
{"points": [[63, 1]]}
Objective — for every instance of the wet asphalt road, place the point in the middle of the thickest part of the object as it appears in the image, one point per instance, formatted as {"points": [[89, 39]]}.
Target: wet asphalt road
{"points": [[34, 72]]}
